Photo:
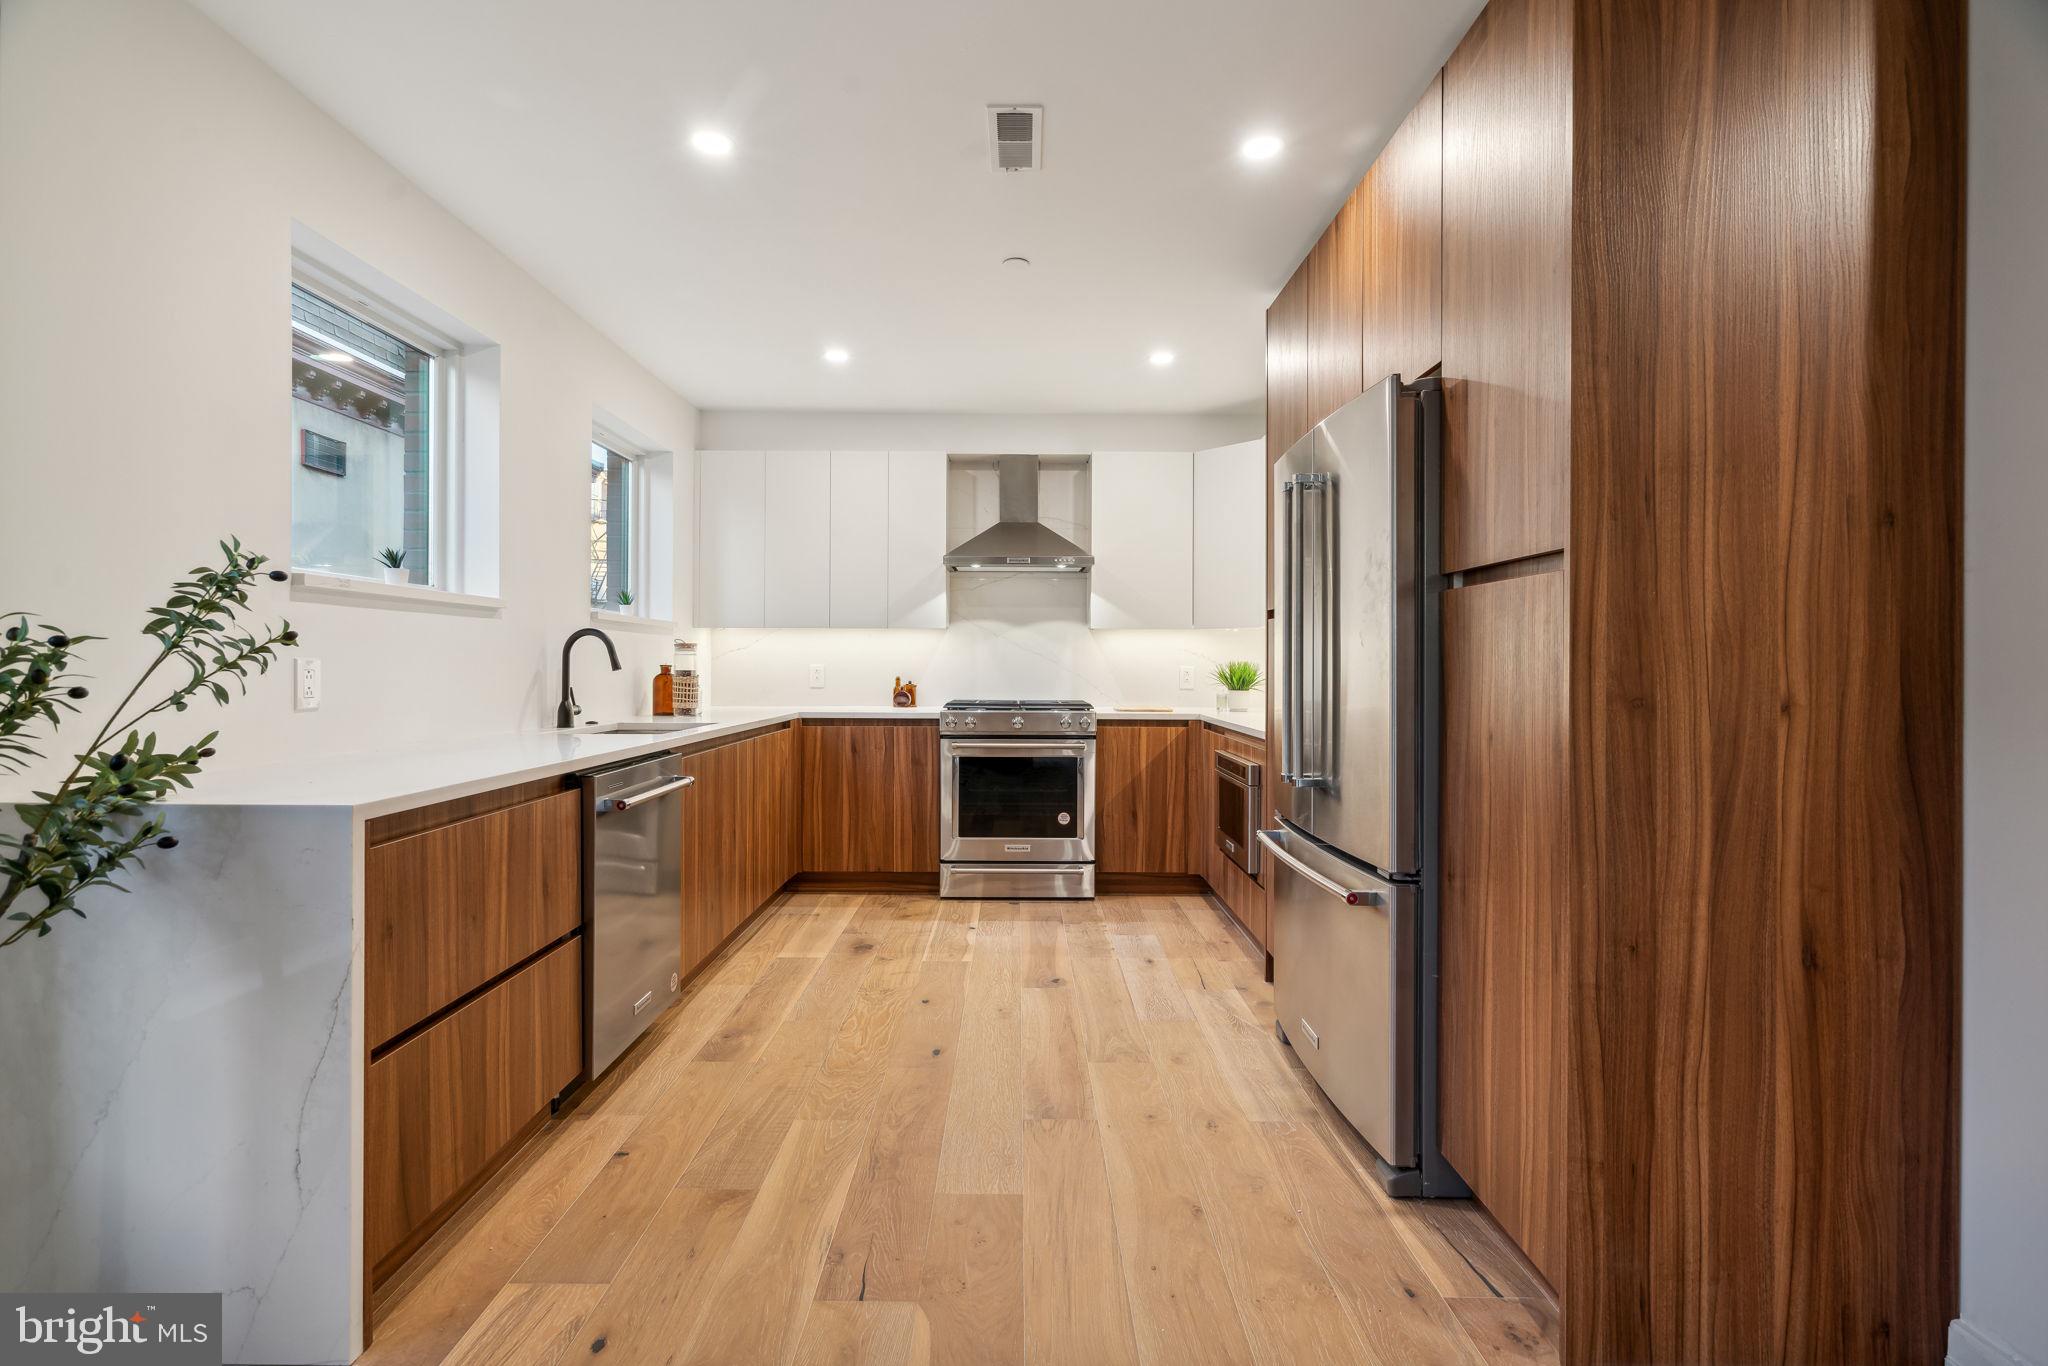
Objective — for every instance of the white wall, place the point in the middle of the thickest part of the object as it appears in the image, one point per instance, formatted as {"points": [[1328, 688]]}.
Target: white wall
{"points": [[2005, 716], [974, 434], [153, 171]]}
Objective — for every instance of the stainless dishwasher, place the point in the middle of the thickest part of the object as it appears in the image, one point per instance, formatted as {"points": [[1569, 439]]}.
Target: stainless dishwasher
{"points": [[632, 903]]}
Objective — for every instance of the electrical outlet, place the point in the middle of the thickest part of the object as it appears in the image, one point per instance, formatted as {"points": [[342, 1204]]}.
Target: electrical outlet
{"points": [[305, 684], [817, 675], [1187, 678]]}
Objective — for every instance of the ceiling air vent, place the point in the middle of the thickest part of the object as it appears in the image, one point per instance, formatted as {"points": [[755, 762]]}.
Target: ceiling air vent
{"points": [[1015, 135]]}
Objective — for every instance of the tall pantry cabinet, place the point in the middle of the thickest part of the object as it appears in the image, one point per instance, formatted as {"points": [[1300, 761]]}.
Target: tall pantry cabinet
{"points": [[1690, 270]]}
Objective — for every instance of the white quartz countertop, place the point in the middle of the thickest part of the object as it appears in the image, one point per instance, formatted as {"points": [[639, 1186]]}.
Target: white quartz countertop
{"points": [[379, 782]]}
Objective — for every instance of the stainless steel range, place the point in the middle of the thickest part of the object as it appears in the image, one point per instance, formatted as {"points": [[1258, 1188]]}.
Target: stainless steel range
{"points": [[1016, 799]]}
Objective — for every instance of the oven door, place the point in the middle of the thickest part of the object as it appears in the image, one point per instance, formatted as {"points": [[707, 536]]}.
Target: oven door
{"points": [[1017, 801], [1237, 810]]}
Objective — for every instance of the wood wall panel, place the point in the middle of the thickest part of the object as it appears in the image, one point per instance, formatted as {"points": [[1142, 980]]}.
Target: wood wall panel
{"points": [[1767, 459], [1505, 890], [450, 908], [442, 1107], [1507, 198], [1336, 275], [1141, 810], [1400, 215], [1287, 365], [870, 796]]}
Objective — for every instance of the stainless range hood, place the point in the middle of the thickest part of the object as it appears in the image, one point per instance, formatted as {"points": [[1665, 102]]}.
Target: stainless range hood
{"points": [[1018, 543]]}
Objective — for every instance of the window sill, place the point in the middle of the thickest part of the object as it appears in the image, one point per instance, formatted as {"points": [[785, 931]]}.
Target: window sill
{"points": [[627, 621], [312, 585]]}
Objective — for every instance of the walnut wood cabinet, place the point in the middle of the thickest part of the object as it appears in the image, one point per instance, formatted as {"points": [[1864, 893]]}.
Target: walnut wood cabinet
{"points": [[1700, 339], [447, 909], [1141, 788], [443, 1107], [740, 836], [1287, 365], [1507, 181], [870, 796], [1399, 207], [472, 992], [1336, 279], [1505, 899]]}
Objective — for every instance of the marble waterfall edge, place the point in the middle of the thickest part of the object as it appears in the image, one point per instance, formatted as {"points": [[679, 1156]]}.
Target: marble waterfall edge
{"points": [[179, 1094]]}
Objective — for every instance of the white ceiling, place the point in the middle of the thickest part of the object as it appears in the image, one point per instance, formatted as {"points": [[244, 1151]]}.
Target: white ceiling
{"points": [[859, 208]]}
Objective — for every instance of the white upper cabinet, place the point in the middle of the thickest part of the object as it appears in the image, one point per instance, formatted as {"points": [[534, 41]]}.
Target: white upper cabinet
{"points": [[1143, 525], [798, 574], [917, 539], [860, 538], [822, 538], [731, 537], [1230, 535]]}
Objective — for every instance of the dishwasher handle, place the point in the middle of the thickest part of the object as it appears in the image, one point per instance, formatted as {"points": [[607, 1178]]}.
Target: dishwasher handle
{"points": [[633, 799]]}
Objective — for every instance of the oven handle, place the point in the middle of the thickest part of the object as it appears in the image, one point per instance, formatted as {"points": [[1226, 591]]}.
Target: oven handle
{"points": [[1003, 749]]}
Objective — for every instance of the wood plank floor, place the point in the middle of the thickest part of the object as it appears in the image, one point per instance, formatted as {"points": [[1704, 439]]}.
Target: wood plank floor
{"points": [[887, 1129]]}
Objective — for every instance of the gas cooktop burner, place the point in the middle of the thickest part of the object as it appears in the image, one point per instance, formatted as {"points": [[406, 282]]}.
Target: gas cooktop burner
{"points": [[1014, 704]]}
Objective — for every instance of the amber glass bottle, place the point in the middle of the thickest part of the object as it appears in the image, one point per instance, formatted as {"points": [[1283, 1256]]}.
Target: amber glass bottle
{"points": [[664, 692]]}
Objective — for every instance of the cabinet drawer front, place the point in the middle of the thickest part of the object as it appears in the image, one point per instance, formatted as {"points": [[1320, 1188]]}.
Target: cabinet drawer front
{"points": [[440, 1107], [447, 910]]}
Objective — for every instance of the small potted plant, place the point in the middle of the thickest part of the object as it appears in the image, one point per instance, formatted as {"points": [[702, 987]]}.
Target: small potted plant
{"points": [[626, 600], [1238, 678], [394, 565]]}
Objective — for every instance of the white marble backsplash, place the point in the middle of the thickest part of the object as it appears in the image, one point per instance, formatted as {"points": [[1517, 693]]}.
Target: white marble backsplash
{"points": [[178, 1088]]}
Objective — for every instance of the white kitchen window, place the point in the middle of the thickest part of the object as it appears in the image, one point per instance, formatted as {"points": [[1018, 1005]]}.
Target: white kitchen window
{"points": [[365, 414], [393, 439], [618, 526]]}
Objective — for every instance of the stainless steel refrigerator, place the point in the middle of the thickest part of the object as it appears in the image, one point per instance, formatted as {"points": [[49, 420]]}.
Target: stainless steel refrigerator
{"points": [[1352, 662]]}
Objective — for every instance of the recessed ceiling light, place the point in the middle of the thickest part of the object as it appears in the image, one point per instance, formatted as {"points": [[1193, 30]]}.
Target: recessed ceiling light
{"points": [[711, 142], [1161, 358], [836, 355], [1263, 147], [1017, 262]]}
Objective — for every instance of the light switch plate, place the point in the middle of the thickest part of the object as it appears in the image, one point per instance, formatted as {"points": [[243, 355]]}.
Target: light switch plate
{"points": [[305, 684], [1187, 678], [817, 675]]}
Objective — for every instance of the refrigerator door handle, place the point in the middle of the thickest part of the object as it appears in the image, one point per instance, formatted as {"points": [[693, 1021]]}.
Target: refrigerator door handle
{"points": [[1351, 896], [1311, 762], [1290, 634], [1326, 592]]}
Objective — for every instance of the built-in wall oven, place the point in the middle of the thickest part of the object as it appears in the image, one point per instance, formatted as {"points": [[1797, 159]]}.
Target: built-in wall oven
{"points": [[1016, 799], [1238, 781]]}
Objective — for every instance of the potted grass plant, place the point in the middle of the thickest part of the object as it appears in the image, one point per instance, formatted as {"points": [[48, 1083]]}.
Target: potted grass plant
{"points": [[394, 565], [1238, 678]]}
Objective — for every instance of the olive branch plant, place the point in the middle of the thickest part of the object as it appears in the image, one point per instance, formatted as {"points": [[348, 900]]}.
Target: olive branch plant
{"points": [[78, 836]]}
